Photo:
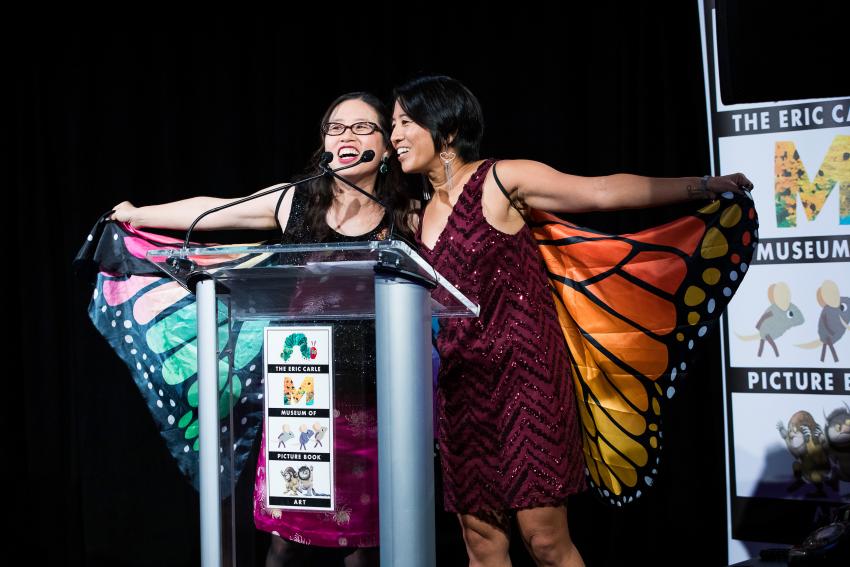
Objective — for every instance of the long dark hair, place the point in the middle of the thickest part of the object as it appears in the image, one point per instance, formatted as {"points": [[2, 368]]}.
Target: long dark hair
{"points": [[447, 109], [390, 187]]}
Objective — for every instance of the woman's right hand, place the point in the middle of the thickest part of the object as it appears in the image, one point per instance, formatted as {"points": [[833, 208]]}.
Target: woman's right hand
{"points": [[123, 212]]}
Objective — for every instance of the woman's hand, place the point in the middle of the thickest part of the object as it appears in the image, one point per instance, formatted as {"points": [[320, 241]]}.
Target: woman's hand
{"points": [[711, 187], [123, 212]]}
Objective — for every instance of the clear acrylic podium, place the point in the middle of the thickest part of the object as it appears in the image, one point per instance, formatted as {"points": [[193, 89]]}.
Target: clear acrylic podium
{"points": [[384, 280]]}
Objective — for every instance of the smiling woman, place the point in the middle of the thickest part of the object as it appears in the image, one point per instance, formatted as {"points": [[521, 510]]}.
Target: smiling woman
{"points": [[327, 210], [504, 377], [352, 125]]}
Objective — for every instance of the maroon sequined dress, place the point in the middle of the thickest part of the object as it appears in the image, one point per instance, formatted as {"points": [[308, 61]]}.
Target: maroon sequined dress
{"points": [[508, 429]]}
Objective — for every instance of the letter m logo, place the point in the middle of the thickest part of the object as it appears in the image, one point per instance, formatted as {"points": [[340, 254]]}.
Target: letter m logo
{"points": [[292, 395], [793, 180]]}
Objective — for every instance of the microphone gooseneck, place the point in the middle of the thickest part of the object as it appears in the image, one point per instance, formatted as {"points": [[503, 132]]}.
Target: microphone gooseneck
{"points": [[365, 157], [326, 158]]}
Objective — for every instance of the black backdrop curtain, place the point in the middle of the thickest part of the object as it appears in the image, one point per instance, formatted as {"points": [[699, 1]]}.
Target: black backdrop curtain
{"points": [[148, 109]]}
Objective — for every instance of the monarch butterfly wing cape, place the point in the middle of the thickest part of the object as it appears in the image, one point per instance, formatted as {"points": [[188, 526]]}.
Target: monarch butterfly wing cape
{"points": [[634, 309], [151, 323]]}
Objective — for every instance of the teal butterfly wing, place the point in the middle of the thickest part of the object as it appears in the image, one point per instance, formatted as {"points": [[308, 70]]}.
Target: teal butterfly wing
{"points": [[150, 322]]}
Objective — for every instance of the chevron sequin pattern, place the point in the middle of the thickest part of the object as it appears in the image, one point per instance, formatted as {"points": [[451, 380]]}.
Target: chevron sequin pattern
{"points": [[508, 429]]}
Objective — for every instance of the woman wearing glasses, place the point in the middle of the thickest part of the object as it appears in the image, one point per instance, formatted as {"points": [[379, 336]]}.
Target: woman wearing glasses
{"points": [[503, 376], [327, 210]]}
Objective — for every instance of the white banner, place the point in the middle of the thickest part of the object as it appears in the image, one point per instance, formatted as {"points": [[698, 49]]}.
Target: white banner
{"points": [[786, 344], [299, 429]]}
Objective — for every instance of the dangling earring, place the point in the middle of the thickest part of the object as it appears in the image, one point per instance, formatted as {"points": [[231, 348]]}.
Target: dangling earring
{"points": [[447, 158], [385, 166]]}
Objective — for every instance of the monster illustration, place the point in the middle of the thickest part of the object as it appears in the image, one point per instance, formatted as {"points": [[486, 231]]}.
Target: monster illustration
{"points": [[305, 481], [807, 444], [290, 477], [838, 441]]}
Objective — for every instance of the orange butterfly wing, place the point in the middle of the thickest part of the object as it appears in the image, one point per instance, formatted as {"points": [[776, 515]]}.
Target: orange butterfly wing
{"points": [[633, 309]]}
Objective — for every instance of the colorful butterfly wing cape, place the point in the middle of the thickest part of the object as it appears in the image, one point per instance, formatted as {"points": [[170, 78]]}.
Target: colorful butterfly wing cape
{"points": [[634, 309], [151, 323]]}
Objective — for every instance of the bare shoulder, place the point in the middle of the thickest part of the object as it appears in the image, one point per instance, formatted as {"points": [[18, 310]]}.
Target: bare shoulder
{"points": [[263, 207], [515, 174], [509, 172], [500, 205], [533, 184]]}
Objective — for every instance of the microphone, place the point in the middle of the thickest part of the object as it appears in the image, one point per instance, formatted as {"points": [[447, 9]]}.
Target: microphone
{"points": [[366, 156]]}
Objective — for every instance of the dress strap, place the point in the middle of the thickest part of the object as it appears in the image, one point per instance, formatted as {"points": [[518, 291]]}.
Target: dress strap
{"points": [[505, 191], [295, 229], [499, 183]]}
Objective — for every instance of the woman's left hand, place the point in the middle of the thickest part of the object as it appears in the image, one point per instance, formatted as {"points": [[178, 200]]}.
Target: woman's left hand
{"points": [[734, 182]]}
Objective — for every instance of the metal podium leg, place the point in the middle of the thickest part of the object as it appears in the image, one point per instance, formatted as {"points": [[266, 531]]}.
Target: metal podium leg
{"points": [[405, 423], [208, 422]]}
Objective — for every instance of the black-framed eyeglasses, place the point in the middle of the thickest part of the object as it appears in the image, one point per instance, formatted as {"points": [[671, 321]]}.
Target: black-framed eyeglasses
{"points": [[337, 129]]}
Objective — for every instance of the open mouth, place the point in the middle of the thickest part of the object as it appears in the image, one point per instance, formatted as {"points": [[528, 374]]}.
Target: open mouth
{"points": [[347, 155]]}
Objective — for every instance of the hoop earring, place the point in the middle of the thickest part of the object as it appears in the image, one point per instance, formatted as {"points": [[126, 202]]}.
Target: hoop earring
{"points": [[447, 158]]}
